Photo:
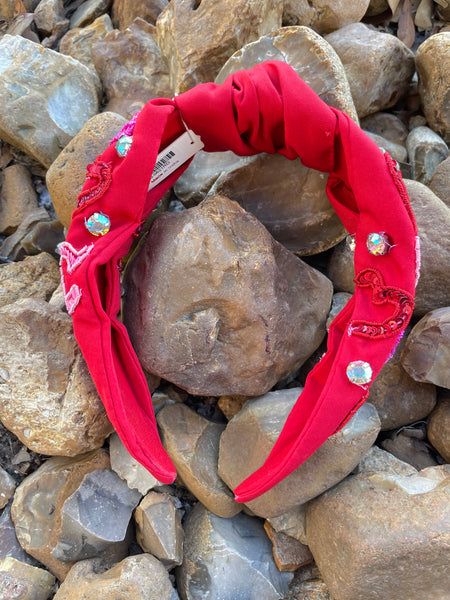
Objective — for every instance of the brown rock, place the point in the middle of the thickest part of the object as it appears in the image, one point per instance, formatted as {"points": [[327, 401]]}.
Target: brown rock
{"points": [[439, 181], [36, 509], [439, 428], [289, 554], [376, 7], [402, 553], [397, 151], [43, 237], [88, 11], [323, 16], [379, 460], [341, 268], [55, 408], [408, 448], [387, 125], [340, 299], [12, 248], [426, 356], [231, 405], [67, 174], [225, 27], [292, 523], [7, 9], [217, 275], [7, 487], [24, 582], [49, 14], [124, 12], [312, 589], [378, 66], [251, 434], [192, 443], [78, 42], [35, 277], [426, 150], [17, 199], [433, 68]]}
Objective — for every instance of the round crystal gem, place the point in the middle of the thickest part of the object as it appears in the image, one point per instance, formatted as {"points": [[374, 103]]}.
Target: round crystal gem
{"points": [[359, 372], [123, 145], [378, 244], [350, 241], [98, 224]]}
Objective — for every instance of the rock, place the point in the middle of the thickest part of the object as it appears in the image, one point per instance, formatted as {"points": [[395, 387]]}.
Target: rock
{"points": [[289, 554], [140, 577], [7, 487], [323, 16], [12, 248], [312, 589], [43, 237], [341, 268], [47, 397], [402, 553], [406, 446], [340, 299], [66, 176], [131, 68], [136, 476], [443, 12], [18, 197], [22, 581], [88, 11], [397, 151], [432, 60], [228, 559], [292, 523], [379, 460], [9, 544], [387, 125], [231, 405], [40, 108], [252, 433], [36, 509], [78, 42], [35, 277], [438, 429], [225, 27], [49, 15], [378, 65], [217, 275], [158, 528], [192, 443], [7, 10], [439, 181], [426, 151], [124, 12]]}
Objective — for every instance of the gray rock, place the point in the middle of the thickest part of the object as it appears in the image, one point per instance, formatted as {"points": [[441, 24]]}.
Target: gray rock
{"points": [[88, 11], [340, 299], [387, 125], [252, 433], [292, 523], [7, 487], [9, 544], [228, 559], [438, 429], [407, 447], [136, 476], [45, 98], [380, 460], [323, 16], [426, 150], [397, 151], [18, 197], [439, 181], [12, 247], [20, 580]]}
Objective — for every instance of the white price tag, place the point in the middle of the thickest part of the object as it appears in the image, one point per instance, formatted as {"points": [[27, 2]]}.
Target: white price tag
{"points": [[176, 154]]}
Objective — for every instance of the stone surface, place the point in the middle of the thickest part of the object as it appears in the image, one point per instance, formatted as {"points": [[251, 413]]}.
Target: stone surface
{"points": [[252, 433], [433, 68], [9, 544], [397, 151], [378, 66], [88, 11], [312, 589], [136, 476], [402, 553], [35, 277], [17, 198], [408, 448], [78, 42], [96, 518], [140, 577], [192, 443], [225, 27], [131, 68], [41, 109], [289, 554], [438, 429], [12, 248], [231, 405], [398, 398], [387, 125], [216, 274], [341, 269], [439, 181], [159, 530], [49, 14], [218, 563], [426, 355], [380, 460], [47, 397], [23, 582], [125, 11], [7, 487], [323, 16], [66, 176], [36, 509], [292, 523], [340, 299], [426, 150], [43, 237]]}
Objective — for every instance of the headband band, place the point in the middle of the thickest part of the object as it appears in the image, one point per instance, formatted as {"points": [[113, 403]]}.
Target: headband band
{"points": [[266, 109]]}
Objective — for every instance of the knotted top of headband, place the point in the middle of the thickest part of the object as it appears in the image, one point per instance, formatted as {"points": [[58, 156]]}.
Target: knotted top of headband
{"points": [[265, 109]]}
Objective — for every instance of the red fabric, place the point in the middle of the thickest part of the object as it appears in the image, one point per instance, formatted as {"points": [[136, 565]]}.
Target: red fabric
{"points": [[267, 109]]}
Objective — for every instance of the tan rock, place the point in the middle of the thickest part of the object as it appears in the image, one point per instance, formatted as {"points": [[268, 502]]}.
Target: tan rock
{"points": [[124, 12], [49, 14], [67, 174], [231, 405], [24, 582], [47, 398], [402, 553], [7, 487], [439, 181], [192, 443], [426, 150], [140, 577], [41, 109], [433, 68], [251, 434], [378, 66], [9, 544], [7, 9], [292, 523], [289, 554], [439, 428], [387, 125], [323, 16], [136, 475], [35, 277], [217, 275], [12, 247], [88, 11], [311, 589], [159, 530], [376, 7], [78, 41], [36, 509], [225, 27], [18, 197]]}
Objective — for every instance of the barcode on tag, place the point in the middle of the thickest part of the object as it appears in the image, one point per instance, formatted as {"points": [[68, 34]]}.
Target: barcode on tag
{"points": [[176, 154]]}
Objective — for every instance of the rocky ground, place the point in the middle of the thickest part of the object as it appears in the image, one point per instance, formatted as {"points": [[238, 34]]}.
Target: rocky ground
{"points": [[367, 516]]}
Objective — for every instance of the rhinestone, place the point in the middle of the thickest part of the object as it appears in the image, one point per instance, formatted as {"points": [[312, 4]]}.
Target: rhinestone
{"points": [[350, 242], [359, 372], [123, 145], [98, 224], [378, 244]]}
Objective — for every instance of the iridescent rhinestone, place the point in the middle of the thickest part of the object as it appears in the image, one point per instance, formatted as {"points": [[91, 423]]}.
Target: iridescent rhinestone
{"points": [[378, 243], [350, 242], [359, 372], [98, 224], [123, 145]]}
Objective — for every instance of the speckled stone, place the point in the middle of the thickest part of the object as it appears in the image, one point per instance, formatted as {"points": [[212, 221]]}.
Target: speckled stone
{"points": [[20, 581]]}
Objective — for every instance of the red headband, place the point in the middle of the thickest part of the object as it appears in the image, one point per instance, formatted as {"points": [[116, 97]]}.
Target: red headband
{"points": [[267, 109]]}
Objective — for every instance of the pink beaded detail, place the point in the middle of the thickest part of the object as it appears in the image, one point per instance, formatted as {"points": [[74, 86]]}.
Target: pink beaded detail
{"points": [[127, 129], [73, 257]]}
